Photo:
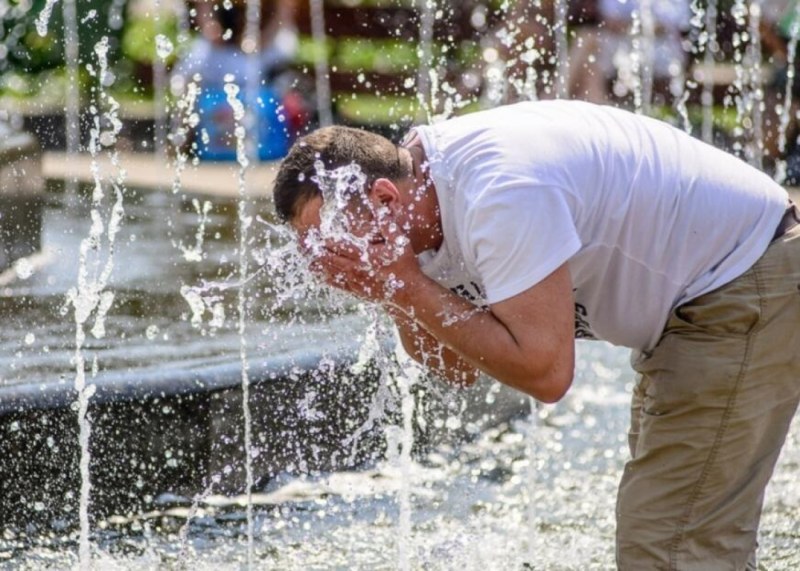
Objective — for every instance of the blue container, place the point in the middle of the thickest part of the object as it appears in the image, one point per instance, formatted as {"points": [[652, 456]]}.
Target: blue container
{"points": [[216, 119]]}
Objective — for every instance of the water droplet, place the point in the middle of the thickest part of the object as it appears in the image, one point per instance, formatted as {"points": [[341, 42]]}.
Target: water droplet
{"points": [[107, 138], [23, 268], [90, 15], [164, 47], [44, 17]]}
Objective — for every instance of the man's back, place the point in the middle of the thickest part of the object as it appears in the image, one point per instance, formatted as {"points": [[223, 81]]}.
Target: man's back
{"points": [[647, 216]]}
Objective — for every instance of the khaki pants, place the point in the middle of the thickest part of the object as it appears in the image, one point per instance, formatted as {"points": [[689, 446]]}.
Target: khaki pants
{"points": [[711, 409]]}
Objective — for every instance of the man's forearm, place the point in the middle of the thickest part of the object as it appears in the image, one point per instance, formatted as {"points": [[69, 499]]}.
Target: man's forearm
{"points": [[479, 338], [427, 350]]}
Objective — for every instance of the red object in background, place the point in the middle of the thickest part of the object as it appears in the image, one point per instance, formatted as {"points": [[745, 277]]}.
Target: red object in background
{"points": [[296, 111]]}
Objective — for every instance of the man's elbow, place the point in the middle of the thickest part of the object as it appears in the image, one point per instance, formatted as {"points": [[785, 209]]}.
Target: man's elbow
{"points": [[556, 378], [549, 388], [553, 390]]}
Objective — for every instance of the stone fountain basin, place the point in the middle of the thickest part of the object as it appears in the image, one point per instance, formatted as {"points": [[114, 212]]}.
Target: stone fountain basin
{"points": [[169, 430]]}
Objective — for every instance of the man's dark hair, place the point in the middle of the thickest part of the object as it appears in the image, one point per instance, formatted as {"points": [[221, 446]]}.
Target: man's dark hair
{"points": [[336, 147]]}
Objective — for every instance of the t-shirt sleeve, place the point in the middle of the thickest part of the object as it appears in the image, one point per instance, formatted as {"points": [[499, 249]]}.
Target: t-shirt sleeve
{"points": [[519, 236]]}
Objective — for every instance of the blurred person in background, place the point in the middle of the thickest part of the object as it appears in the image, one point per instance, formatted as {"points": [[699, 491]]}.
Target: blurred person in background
{"points": [[526, 48], [600, 54], [222, 52], [221, 47]]}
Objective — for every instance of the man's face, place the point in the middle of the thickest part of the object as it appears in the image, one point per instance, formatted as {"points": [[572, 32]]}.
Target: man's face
{"points": [[358, 221]]}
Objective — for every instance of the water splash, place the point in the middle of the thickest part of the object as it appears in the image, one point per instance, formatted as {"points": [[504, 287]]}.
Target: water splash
{"points": [[183, 533], [94, 271], [163, 49], [187, 123], [201, 300], [427, 79], [756, 86], [647, 54], [502, 74], [634, 72], [710, 49], [562, 49], [411, 373], [321, 71], [342, 188], [194, 253], [72, 108], [232, 91], [532, 479], [251, 45], [747, 83], [372, 352], [43, 19]]}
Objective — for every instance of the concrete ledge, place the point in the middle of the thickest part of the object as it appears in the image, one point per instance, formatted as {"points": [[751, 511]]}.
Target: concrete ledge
{"points": [[168, 380], [145, 170]]}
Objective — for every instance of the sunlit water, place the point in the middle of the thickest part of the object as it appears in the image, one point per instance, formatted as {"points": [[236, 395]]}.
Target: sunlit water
{"points": [[163, 245], [468, 509]]}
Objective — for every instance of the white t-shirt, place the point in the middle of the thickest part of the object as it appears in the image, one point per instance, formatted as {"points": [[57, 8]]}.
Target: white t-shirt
{"points": [[647, 217]]}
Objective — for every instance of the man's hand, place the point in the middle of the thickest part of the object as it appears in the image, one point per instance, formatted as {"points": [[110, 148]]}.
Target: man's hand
{"points": [[374, 273]]}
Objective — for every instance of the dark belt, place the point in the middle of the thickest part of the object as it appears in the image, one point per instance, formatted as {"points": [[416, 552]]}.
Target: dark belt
{"points": [[790, 219]]}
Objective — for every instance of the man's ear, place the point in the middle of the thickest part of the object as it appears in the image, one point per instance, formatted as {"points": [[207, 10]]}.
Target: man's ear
{"points": [[384, 193]]}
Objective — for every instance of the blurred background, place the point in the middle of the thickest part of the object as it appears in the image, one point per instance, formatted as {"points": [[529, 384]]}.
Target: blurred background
{"points": [[716, 67], [177, 392]]}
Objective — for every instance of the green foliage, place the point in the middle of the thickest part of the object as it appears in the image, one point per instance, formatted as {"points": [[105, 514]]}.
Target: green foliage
{"points": [[375, 55], [139, 38], [28, 52], [32, 65]]}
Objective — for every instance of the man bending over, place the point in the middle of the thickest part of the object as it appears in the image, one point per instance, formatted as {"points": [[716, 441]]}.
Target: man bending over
{"points": [[496, 238]]}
